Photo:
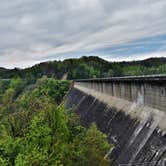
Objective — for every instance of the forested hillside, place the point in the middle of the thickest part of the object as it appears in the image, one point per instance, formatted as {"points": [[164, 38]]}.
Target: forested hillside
{"points": [[88, 67], [36, 130]]}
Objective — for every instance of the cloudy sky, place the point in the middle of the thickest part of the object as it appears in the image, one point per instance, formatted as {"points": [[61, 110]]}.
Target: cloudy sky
{"points": [[33, 31]]}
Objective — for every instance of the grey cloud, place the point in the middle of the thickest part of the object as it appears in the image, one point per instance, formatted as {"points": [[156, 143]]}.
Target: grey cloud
{"points": [[36, 29]]}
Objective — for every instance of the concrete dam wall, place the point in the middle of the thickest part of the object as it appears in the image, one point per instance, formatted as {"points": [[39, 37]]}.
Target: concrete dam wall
{"points": [[130, 110]]}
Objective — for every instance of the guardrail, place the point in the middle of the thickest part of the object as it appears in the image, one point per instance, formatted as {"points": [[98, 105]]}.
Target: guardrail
{"points": [[160, 77]]}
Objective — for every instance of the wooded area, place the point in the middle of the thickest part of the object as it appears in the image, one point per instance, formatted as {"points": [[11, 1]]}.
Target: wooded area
{"points": [[36, 129], [88, 67]]}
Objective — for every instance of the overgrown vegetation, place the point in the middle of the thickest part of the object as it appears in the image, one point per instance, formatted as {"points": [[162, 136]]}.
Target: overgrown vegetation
{"points": [[36, 130], [88, 67]]}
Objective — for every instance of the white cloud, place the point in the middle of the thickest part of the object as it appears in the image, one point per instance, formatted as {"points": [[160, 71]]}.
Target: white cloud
{"points": [[37, 29], [135, 56]]}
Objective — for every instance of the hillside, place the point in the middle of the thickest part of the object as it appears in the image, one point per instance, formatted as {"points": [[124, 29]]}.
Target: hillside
{"points": [[88, 67], [37, 129]]}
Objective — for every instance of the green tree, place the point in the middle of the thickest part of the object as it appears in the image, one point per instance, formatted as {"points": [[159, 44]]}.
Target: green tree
{"points": [[93, 147], [36, 129]]}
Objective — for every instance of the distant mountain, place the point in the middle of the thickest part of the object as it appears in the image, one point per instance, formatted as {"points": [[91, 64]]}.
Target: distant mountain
{"points": [[2, 69], [88, 67], [147, 62]]}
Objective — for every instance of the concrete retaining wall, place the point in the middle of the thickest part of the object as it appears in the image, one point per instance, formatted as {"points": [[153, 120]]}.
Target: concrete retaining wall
{"points": [[137, 132], [132, 112], [152, 94]]}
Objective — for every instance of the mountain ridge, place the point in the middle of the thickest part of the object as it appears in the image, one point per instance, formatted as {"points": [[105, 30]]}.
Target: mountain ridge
{"points": [[87, 67]]}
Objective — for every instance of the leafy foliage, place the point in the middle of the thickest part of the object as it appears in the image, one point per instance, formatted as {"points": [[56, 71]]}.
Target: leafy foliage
{"points": [[36, 130]]}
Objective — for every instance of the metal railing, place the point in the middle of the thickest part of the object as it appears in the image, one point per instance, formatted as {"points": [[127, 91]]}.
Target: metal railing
{"points": [[158, 77]]}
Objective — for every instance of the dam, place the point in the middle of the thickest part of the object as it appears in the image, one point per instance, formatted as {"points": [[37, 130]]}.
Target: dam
{"points": [[130, 110]]}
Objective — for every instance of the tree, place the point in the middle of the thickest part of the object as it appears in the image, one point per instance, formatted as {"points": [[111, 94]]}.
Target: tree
{"points": [[92, 147], [36, 129]]}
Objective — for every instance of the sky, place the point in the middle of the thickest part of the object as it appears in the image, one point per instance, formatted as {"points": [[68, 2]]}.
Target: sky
{"points": [[34, 31]]}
